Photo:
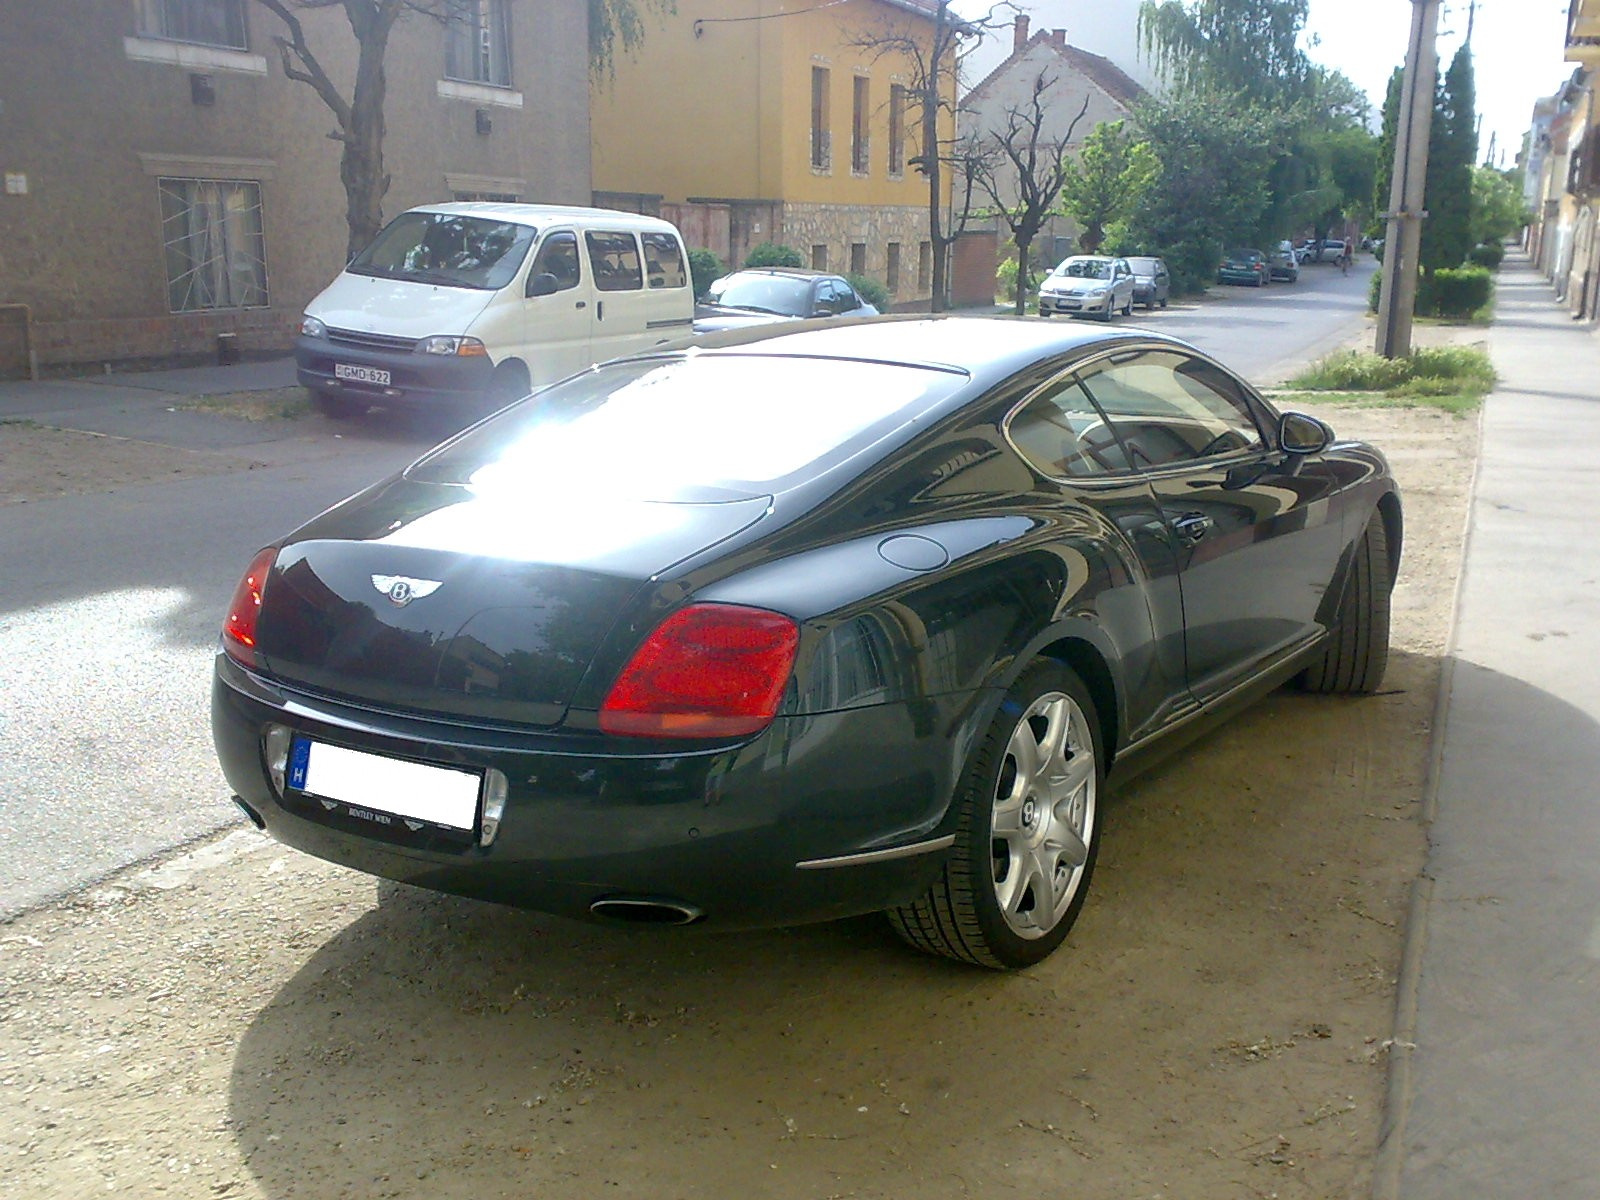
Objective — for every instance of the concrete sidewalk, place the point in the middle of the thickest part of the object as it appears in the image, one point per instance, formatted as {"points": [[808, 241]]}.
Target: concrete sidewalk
{"points": [[1495, 1072]]}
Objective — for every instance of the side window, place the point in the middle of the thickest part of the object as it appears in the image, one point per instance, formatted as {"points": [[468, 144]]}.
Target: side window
{"points": [[1169, 408], [1062, 434], [614, 259], [663, 261], [558, 256]]}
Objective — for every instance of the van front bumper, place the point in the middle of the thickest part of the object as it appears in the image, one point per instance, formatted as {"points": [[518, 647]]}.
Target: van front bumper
{"points": [[390, 376]]}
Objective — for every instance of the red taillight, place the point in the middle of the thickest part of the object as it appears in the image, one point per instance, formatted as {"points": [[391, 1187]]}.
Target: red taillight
{"points": [[709, 670], [239, 630]]}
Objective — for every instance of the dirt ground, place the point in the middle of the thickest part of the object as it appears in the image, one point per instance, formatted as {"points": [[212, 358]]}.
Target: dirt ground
{"points": [[241, 1021]]}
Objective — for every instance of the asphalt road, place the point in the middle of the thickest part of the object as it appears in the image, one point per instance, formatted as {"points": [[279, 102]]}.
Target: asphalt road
{"points": [[109, 604]]}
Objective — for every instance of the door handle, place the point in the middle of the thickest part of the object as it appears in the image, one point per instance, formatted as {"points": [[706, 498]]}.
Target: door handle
{"points": [[1191, 527], [581, 304], [599, 310]]}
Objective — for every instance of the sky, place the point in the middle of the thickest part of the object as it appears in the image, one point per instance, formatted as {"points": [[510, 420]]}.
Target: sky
{"points": [[1517, 47], [1517, 50]]}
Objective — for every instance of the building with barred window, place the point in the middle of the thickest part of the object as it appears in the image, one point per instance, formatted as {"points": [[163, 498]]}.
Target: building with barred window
{"points": [[165, 182]]}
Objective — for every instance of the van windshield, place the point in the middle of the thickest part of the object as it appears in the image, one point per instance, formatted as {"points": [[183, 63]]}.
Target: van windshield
{"points": [[447, 249]]}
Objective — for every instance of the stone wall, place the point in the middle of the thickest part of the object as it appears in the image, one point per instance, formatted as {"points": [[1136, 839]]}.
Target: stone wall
{"points": [[839, 229]]}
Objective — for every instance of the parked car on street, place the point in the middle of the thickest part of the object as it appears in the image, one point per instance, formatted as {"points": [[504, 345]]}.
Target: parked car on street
{"points": [[1152, 283], [1283, 264], [1088, 285], [760, 295], [800, 622], [1245, 266]]}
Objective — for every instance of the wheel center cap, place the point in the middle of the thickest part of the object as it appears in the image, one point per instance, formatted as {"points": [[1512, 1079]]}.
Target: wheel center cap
{"points": [[1030, 813]]}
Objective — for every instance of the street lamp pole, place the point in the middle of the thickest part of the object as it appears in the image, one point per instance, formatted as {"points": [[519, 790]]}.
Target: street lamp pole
{"points": [[1403, 234]]}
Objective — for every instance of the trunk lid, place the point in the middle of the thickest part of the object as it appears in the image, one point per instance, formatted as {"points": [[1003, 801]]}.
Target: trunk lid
{"points": [[426, 598]]}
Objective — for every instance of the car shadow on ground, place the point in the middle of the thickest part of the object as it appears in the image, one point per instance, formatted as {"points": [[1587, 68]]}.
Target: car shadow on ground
{"points": [[1250, 893]]}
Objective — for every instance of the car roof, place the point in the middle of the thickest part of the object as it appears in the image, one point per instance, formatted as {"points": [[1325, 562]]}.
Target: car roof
{"points": [[986, 348], [540, 215], [794, 272]]}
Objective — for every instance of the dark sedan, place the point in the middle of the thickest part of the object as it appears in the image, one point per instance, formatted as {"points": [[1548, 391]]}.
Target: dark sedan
{"points": [[1245, 266], [1152, 282], [761, 295], [801, 623]]}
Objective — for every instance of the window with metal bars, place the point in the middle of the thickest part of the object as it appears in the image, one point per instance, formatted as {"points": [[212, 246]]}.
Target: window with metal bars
{"points": [[213, 245]]}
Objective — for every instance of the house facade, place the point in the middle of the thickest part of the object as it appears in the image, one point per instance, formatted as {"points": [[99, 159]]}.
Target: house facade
{"points": [[1081, 90], [1574, 262], [165, 182], [751, 121]]}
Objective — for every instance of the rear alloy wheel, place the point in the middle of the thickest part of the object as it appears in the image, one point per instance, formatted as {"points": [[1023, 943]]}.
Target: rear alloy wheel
{"points": [[1357, 652], [1127, 309], [1028, 830]]}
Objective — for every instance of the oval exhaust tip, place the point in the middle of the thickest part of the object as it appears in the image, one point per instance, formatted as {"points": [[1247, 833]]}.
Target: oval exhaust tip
{"points": [[646, 910]]}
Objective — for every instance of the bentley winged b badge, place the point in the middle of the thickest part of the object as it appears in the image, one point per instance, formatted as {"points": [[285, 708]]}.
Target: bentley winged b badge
{"points": [[402, 589]]}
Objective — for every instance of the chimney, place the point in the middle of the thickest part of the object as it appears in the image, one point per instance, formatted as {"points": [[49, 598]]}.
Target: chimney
{"points": [[1020, 35], [1059, 38]]}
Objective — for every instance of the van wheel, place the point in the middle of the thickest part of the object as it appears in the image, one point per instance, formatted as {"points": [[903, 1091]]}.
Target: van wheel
{"points": [[509, 384]]}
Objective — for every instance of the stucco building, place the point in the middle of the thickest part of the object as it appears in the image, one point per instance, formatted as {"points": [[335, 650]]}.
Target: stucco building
{"points": [[749, 121], [164, 181]]}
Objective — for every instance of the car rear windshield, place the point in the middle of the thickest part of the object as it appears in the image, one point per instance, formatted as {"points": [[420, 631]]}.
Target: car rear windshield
{"points": [[447, 249], [701, 427], [784, 295]]}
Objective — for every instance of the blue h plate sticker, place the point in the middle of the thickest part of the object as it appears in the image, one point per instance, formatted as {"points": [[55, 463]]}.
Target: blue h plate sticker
{"points": [[299, 759]]}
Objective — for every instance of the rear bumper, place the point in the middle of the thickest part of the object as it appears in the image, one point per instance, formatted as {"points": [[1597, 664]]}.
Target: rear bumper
{"points": [[737, 834], [421, 380]]}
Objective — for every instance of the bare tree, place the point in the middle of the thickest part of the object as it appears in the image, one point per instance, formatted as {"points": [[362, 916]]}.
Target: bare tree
{"points": [[930, 60], [1025, 173], [359, 124]]}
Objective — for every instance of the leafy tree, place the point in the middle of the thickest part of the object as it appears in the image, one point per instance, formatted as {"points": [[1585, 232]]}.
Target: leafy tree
{"points": [[1107, 181], [1383, 174], [1246, 48], [1497, 209], [1452, 150], [1024, 172], [1211, 189], [358, 115]]}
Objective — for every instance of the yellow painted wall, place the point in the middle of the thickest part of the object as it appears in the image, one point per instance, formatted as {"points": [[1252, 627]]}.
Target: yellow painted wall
{"points": [[716, 104]]}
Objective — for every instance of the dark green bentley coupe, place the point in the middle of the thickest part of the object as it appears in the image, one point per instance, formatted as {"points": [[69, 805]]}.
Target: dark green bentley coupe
{"points": [[791, 625]]}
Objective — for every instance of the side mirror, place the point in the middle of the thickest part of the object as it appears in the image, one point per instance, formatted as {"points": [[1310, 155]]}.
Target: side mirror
{"points": [[543, 284], [1300, 434]]}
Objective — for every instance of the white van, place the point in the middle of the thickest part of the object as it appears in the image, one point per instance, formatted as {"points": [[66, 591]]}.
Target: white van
{"points": [[465, 307]]}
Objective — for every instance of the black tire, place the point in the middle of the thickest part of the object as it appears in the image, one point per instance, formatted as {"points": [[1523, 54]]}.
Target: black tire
{"points": [[1127, 309], [336, 407], [962, 915], [1357, 651], [509, 384]]}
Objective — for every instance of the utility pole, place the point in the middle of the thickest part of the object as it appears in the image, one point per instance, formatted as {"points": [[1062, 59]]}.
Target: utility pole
{"points": [[1403, 234]]}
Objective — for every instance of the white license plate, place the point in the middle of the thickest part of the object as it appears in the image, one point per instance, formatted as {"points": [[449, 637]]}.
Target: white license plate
{"points": [[385, 790], [361, 374]]}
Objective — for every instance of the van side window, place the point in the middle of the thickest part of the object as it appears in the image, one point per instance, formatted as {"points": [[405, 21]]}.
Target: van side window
{"points": [[614, 258], [558, 256], [663, 261]]}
